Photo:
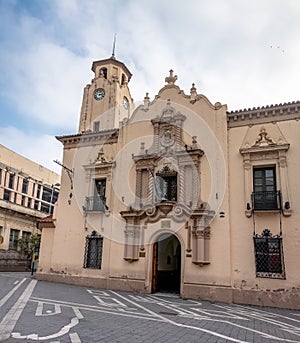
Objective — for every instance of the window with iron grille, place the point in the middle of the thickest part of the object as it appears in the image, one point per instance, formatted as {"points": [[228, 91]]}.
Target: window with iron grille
{"points": [[93, 251], [269, 256], [168, 184]]}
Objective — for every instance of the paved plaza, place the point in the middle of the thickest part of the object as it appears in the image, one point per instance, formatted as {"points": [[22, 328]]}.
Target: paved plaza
{"points": [[32, 311]]}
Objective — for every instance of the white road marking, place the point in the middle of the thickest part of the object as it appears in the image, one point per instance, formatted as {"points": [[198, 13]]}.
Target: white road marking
{"points": [[264, 313], [10, 320], [78, 313], [223, 314], [74, 337], [35, 337], [16, 282], [118, 312], [94, 291], [9, 294], [265, 317], [113, 303], [40, 307], [179, 324]]}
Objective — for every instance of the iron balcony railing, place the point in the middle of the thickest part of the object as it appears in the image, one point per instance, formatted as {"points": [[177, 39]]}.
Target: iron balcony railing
{"points": [[267, 200], [95, 204]]}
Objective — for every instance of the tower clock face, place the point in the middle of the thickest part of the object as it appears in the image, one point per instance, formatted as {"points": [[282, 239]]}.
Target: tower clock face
{"points": [[99, 94], [125, 103]]}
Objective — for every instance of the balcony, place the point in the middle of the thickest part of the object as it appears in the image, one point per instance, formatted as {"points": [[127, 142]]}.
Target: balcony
{"points": [[95, 204], [266, 201]]}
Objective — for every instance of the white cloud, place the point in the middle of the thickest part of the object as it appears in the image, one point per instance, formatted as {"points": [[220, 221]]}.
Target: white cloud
{"points": [[222, 46], [42, 149]]}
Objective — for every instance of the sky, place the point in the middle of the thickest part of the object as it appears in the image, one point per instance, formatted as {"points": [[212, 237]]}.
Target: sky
{"points": [[238, 52]]}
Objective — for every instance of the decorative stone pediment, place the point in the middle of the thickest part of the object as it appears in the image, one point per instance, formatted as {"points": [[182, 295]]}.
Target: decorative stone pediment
{"points": [[265, 138]]}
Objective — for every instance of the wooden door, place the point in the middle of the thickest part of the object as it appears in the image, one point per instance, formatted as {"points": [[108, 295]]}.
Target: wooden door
{"points": [[154, 268]]}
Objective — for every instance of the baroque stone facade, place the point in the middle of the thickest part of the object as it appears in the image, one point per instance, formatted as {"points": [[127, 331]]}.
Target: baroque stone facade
{"points": [[177, 194]]}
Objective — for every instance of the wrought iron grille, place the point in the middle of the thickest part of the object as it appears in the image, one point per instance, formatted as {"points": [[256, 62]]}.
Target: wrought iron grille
{"points": [[168, 183], [269, 256], [95, 203], [266, 200], [93, 251]]}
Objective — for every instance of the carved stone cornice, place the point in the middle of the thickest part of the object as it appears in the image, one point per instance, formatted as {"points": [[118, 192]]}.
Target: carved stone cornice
{"points": [[89, 138], [167, 209], [264, 114]]}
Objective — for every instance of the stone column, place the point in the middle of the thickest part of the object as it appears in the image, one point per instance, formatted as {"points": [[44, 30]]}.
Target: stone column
{"points": [[284, 183], [132, 236], [200, 244], [247, 185]]}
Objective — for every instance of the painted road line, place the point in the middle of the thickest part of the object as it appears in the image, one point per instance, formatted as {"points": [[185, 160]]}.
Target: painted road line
{"points": [[40, 308], [9, 294], [35, 337], [118, 312], [169, 321], [10, 320], [74, 337]]}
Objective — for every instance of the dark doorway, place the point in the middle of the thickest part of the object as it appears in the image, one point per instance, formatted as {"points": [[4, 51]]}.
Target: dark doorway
{"points": [[166, 265]]}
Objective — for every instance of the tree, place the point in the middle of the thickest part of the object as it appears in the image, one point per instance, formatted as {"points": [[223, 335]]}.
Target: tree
{"points": [[30, 245]]}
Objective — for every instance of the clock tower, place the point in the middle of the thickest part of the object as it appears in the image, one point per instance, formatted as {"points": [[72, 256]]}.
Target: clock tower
{"points": [[107, 100]]}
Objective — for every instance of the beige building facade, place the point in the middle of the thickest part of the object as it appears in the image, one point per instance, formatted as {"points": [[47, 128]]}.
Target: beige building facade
{"points": [[28, 192], [177, 195]]}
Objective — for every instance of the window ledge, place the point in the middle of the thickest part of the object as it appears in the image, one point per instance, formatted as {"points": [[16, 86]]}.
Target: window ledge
{"points": [[201, 263]]}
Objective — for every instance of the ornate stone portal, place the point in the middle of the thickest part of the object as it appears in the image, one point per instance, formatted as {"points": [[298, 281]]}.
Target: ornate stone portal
{"points": [[168, 186]]}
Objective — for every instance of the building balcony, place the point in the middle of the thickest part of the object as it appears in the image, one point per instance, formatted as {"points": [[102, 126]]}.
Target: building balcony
{"points": [[95, 204], [266, 201]]}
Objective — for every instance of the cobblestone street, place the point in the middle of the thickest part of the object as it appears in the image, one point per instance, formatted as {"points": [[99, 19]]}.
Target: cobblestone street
{"points": [[33, 311]]}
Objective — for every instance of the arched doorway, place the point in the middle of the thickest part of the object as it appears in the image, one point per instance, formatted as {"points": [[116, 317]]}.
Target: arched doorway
{"points": [[166, 264]]}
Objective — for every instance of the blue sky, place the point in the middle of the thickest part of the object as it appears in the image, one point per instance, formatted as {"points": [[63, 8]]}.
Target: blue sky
{"points": [[238, 52]]}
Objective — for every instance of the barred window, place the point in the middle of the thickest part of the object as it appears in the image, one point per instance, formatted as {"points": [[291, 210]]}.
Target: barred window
{"points": [[269, 256], [93, 251], [167, 183]]}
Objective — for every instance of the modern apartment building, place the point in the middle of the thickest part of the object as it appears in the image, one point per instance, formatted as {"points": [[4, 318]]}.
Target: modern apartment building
{"points": [[28, 192]]}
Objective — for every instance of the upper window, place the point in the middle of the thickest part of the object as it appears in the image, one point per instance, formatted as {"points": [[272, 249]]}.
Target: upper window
{"points": [[25, 186], [6, 195], [265, 195], [123, 80], [96, 127], [93, 251], [11, 181], [103, 72], [46, 195]]}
